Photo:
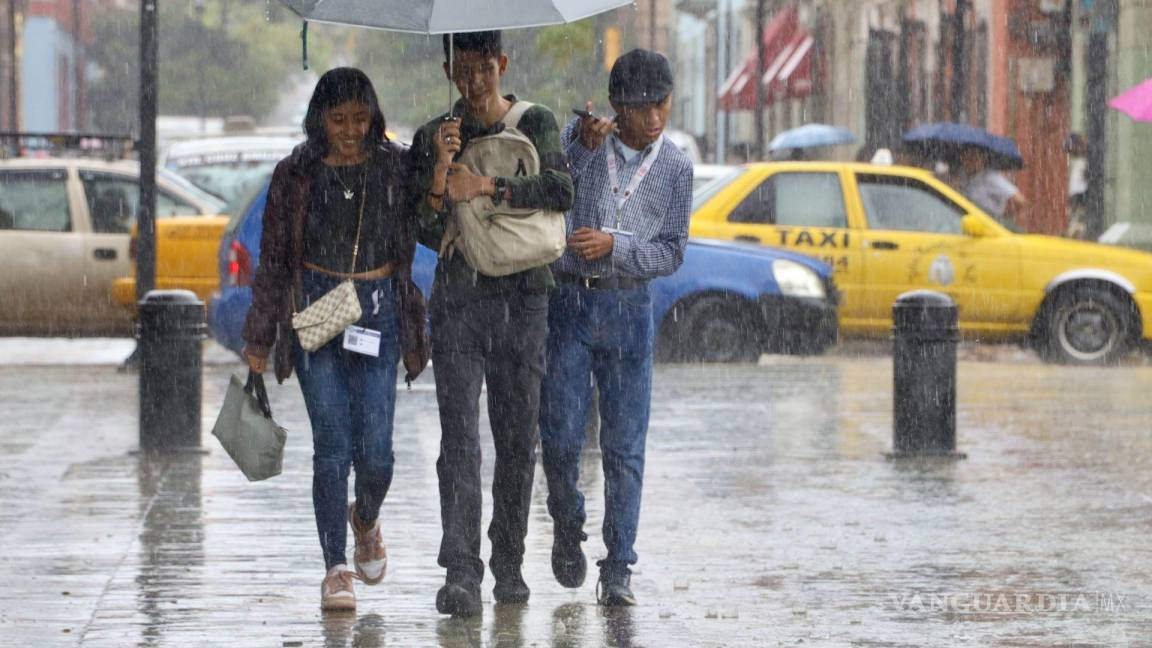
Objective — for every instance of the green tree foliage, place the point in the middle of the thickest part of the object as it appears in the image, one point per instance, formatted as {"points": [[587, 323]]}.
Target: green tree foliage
{"points": [[555, 66], [571, 73], [237, 58], [228, 59]]}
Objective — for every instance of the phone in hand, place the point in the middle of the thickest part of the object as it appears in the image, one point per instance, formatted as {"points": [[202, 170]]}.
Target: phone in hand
{"points": [[583, 114]]}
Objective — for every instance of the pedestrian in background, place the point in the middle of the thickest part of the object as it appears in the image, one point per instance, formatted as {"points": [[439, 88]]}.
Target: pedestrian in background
{"points": [[1077, 149], [339, 208], [989, 188], [485, 329], [629, 224]]}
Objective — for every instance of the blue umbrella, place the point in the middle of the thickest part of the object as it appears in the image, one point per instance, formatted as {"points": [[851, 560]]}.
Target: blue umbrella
{"points": [[810, 135], [947, 139]]}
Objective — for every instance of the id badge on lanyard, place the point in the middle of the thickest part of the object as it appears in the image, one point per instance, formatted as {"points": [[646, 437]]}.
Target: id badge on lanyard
{"points": [[622, 196]]}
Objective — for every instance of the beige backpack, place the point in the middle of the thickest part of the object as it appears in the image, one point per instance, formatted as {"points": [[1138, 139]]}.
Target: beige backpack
{"points": [[498, 240]]}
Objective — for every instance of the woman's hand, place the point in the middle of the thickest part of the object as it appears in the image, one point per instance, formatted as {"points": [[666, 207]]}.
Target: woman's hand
{"points": [[255, 363], [447, 142]]}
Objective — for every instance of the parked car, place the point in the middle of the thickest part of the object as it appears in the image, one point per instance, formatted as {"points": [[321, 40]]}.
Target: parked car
{"points": [[686, 142], [702, 174], [64, 238], [889, 229], [728, 302], [227, 166], [185, 258]]}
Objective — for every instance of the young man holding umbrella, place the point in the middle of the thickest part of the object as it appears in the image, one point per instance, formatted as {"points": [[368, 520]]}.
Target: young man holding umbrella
{"points": [[629, 224], [485, 329]]}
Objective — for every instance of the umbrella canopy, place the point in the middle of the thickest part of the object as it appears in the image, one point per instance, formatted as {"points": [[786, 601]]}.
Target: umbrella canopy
{"points": [[946, 140], [449, 16], [1136, 102], [810, 135]]}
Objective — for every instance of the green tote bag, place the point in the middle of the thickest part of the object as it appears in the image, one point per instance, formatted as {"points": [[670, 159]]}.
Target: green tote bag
{"points": [[246, 429]]}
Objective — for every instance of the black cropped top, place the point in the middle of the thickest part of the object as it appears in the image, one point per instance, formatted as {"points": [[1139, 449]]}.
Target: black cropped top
{"points": [[330, 229]]}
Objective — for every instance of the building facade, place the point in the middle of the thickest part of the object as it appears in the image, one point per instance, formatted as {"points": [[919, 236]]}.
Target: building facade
{"points": [[1025, 69], [11, 22], [53, 74]]}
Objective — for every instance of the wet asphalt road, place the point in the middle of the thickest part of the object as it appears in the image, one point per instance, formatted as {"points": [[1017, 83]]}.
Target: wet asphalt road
{"points": [[770, 517]]}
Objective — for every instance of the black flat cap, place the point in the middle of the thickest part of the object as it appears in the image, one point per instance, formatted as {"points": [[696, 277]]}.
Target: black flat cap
{"points": [[640, 77]]}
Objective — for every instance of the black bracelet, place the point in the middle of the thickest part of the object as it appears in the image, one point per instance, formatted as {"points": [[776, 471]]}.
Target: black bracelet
{"points": [[437, 196]]}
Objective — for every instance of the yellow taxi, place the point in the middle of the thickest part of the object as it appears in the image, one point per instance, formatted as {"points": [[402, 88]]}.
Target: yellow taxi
{"points": [[185, 258], [889, 229]]}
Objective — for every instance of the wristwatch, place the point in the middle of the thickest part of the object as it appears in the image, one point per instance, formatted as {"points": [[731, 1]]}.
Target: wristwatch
{"points": [[501, 186]]}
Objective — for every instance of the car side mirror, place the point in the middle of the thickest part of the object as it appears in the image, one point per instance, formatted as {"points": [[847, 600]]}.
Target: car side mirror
{"points": [[973, 226]]}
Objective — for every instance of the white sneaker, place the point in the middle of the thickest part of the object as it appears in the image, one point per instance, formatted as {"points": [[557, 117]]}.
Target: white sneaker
{"points": [[336, 591], [370, 557]]}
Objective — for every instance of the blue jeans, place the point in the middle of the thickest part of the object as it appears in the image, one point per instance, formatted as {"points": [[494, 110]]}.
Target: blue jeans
{"points": [[351, 399], [605, 335]]}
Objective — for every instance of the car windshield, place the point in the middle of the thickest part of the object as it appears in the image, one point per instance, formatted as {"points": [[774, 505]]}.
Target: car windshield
{"points": [[228, 179], [705, 192], [216, 204], [239, 207]]}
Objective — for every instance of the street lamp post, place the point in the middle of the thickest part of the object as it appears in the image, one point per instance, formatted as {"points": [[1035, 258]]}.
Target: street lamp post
{"points": [[146, 213]]}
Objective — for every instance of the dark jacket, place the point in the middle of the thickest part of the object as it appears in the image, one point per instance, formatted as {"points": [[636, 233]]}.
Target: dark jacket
{"points": [[551, 189], [269, 321]]}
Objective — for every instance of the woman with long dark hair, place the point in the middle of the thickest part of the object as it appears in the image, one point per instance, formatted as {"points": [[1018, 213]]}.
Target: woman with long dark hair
{"points": [[339, 209]]}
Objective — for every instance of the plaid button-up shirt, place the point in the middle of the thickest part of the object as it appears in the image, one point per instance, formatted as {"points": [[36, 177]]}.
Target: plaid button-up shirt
{"points": [[656, 215]]}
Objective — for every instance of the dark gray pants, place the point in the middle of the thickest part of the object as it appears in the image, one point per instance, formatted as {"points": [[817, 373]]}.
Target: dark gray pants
{"points": [[498, 339]]}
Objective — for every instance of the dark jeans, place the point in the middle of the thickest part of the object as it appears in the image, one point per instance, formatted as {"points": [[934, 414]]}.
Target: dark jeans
{"points": [[351, 399], [606, 335], [498, 339]]}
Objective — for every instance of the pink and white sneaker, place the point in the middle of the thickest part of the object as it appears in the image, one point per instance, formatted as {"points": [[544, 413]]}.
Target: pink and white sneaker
{"points": [[336, 591], [370, 557]]}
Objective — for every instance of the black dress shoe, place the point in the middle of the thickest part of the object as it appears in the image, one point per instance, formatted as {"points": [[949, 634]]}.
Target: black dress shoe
{"points": [[511, 588], [568, 562], [459, 599], [613, 590]]}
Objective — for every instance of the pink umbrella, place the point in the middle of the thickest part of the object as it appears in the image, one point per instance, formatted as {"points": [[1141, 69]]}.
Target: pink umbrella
{"points": [[1136, 102]]}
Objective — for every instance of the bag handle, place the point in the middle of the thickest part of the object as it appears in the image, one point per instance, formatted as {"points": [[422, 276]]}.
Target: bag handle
{"points": [[256, 383], [511, 118]]}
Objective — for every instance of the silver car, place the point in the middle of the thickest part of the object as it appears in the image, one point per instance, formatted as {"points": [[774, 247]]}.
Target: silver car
{"points": [[64, 237]]}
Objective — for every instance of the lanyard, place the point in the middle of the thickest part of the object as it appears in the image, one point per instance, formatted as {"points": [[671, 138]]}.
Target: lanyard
{"points": [[637, 177]]}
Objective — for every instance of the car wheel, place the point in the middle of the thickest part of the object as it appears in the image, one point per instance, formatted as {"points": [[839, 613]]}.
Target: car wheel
{"points": [[720, 330], [1086, 326]]}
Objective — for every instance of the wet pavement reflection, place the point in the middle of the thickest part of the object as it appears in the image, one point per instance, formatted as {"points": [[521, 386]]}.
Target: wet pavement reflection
{"points": [[770, 517]]}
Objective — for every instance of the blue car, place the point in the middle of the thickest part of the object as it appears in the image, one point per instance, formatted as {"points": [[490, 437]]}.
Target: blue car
{"points": [[728, 302]]}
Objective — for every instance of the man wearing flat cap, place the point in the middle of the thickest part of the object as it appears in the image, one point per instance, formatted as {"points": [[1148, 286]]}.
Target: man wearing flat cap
{"points": [[628, 225]]}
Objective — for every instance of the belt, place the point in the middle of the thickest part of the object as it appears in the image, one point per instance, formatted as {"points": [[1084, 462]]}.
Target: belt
{"points": [[382, 272], [613, 282]]}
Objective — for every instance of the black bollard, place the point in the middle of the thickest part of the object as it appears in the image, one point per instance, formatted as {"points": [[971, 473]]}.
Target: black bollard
{"points": [[924, 370], [169, 332]]}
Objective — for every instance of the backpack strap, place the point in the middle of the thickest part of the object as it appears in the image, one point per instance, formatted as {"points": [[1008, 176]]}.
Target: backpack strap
{"points": [[512, 117]]}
